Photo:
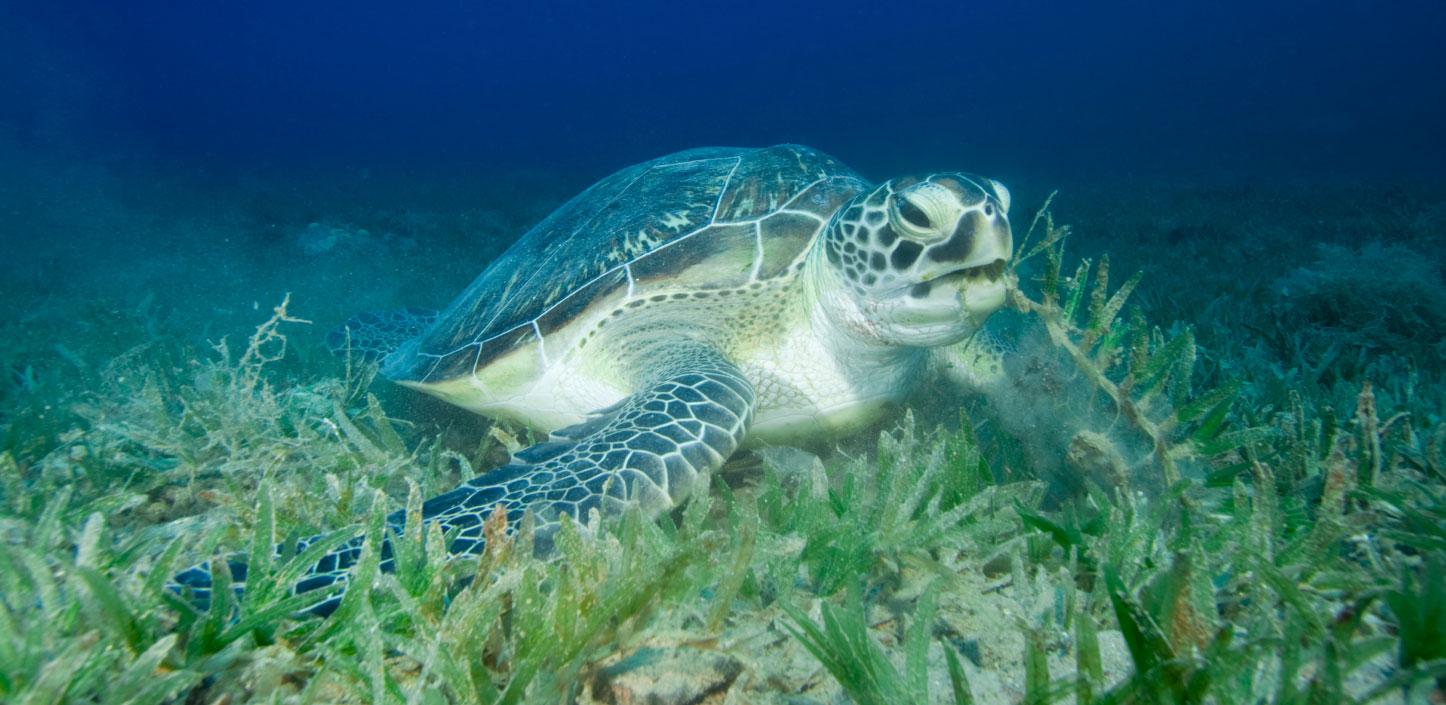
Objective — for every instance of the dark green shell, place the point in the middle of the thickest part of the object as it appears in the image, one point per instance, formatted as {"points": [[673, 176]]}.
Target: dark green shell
{"points": [[663, 222]]}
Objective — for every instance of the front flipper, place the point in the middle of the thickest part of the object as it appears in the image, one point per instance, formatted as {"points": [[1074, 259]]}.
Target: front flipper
{"points": [[977, 363], [649, 449]]}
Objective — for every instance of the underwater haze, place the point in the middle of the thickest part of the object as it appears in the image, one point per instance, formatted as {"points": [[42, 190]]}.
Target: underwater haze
{"points": [[1263, 89], [290, 113], [1197, 455]]}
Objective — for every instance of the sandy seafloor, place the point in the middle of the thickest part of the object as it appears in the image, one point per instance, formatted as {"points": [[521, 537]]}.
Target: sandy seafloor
{"points": [[112, 263]]}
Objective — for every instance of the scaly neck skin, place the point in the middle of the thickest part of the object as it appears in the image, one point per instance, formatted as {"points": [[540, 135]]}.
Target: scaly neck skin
{"points": [[839, 322]]}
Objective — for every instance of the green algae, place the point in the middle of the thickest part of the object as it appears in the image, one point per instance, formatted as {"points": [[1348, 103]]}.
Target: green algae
{"points": [[1270, 534]]}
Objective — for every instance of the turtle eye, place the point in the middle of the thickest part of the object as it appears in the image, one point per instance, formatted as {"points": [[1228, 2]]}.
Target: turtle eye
{"points": [[911, 220], [911, 213]]}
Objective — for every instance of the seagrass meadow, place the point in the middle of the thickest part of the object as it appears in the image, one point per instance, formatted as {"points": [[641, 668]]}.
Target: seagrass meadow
{"points": [[1215, 471]]}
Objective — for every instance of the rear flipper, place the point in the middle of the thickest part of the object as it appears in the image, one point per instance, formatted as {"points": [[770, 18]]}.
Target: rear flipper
{"points": [[374, 335], [650, 449]]}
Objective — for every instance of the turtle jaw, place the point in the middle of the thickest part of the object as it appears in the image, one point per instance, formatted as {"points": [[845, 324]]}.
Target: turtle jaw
{"points": [[981, 290], [947, 301], [943, 310]]}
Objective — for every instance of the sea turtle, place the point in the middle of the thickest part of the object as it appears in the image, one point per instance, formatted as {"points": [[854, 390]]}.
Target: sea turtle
{"points": [[683, 307]]}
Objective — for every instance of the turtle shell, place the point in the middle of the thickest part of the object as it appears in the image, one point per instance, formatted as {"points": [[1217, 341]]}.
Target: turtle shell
{"points": [[700, 219]]}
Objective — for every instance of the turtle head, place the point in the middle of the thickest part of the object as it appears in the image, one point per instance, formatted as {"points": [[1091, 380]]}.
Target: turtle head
{"points": [[921, 262]]}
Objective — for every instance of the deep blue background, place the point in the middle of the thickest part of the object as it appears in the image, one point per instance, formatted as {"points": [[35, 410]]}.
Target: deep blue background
{"points": [[1338, 88]]}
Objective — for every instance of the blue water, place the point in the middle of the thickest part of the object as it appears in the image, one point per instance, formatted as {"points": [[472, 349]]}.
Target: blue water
{"points": [[212, 157], [170, 171], [1043, 89]]}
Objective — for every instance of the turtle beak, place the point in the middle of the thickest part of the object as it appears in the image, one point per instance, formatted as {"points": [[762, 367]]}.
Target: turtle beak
{"points": [[1002, 194], [983, 286], [969, 267], [979, 247]]}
